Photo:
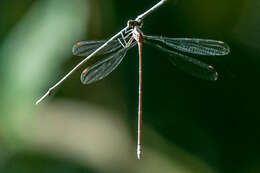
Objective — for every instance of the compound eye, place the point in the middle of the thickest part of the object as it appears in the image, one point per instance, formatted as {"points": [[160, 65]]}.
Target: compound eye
{"points": [[131, 23]]}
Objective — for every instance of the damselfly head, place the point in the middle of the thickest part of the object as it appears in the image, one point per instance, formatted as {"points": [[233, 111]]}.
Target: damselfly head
{"points": [[134, 23], [211, 67]]}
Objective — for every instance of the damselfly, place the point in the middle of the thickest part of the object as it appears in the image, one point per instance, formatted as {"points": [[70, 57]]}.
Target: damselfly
{"points": [[113, 51], [178, 50]]}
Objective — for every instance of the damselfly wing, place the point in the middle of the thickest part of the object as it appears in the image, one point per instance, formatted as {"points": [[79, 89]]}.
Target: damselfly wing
{"points": [[176, 48], [113, 55], [103, 68], [195, 46], [85, 48]]}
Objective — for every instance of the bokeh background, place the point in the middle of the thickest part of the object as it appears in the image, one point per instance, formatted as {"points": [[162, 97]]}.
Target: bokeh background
{"points": [[190, 125]]}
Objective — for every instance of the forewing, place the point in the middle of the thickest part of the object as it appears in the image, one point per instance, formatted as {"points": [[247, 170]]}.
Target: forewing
{"points": [[192, 45], [102, 68], [85, 48], [190, 65]]}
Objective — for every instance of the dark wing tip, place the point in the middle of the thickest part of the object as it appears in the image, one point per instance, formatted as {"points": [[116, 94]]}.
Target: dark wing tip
{"points": [[75, 48], [214, 75], [225, 47], [83, 77]]}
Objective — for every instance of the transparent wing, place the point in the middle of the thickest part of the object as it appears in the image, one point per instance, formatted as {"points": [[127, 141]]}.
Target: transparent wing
{"points": [[103, 68], [193, 45], [190, 65], [85, 48]]}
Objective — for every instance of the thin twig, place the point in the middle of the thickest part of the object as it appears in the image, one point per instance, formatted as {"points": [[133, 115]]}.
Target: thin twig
{"points": [[142, 16], [139, 19], [77, 66]]}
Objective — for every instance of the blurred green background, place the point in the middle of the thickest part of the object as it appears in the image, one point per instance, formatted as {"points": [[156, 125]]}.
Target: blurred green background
{"points": [[190, 125]]}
